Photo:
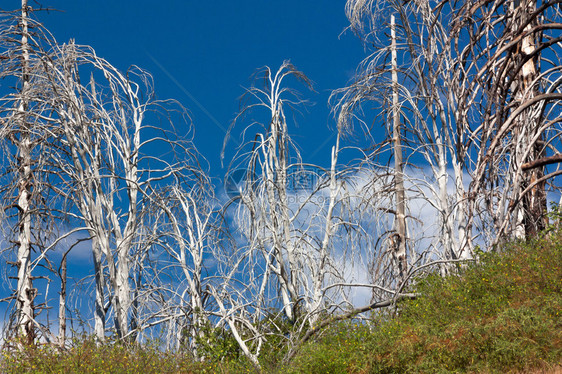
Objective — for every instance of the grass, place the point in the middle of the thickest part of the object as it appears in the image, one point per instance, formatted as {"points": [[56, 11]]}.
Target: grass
{"points": [[502, 315], [86, 356]]}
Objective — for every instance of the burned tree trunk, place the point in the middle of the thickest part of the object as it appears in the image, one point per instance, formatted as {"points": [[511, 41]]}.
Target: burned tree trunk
{"points": [[529, 145]]}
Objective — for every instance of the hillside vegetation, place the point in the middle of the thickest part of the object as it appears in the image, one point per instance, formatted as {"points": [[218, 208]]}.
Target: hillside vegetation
{"points": [[501, 315]]}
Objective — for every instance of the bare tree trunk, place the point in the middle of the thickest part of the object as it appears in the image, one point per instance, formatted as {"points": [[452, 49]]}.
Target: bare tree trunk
{"points": [[25, 291], [99, 309], [95, 207], [322, 270], [122, 293], [62, 302], [399, 242], [531, 215]]}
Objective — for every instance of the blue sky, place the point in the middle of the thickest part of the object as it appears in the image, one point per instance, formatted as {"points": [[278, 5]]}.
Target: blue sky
{"points": [[203, 53]]}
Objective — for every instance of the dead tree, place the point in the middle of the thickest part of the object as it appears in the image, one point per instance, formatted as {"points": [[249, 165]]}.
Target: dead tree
{"points": [[25, 132], [413, 126], [185, 230], [399, 191], [25, 291], [300, 226], [511, 99], [106, 167], [480, 98]]}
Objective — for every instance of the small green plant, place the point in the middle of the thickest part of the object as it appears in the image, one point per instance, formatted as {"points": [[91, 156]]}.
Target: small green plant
{"points": [[554, 217]]}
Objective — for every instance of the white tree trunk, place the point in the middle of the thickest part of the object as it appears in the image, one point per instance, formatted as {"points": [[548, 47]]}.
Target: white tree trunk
{"points": [[99, 278], [25, 290], [321, 267]]}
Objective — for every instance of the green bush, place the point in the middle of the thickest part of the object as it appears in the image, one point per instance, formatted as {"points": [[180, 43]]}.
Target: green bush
{"points": [[500, 315]]}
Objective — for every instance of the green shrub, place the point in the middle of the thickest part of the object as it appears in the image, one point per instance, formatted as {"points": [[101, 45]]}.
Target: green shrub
{"points": [[500, 315]]}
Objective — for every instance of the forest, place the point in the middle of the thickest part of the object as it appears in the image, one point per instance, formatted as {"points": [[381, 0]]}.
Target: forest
{"points": [[459, 108]]}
